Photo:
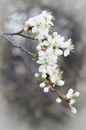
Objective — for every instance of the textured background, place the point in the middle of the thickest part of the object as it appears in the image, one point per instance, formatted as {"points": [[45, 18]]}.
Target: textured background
{"points": [[20, 107]]}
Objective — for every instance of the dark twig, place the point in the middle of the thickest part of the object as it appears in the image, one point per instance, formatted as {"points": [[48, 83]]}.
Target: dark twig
{"points": [[19, 33], [19, 47]]}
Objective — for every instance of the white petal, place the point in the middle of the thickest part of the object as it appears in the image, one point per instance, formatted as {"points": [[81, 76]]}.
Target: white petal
{"points": [[45, 43], [41, 53], [66, 52], [34, 29], [60, 40], [40, 61], [42, 19], [67, 43], [50, 68], [69, 93], [30, 22], [49, 38], [59, 52], [53, 79], [42, 69]]}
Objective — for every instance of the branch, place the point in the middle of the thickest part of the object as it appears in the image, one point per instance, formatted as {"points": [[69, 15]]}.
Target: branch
{"points": [[19, 47], [19, 33], [24, 50], [27, 36]]}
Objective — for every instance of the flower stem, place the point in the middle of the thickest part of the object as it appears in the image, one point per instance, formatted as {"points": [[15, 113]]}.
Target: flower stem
{"points": [[15, 33], [24, 50], [27, 36], [19, 33], [20, 47]]}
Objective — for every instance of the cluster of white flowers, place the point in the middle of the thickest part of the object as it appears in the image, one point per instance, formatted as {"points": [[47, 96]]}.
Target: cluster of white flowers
{"points": [[50, 48], [71, 98], [40, 25]]}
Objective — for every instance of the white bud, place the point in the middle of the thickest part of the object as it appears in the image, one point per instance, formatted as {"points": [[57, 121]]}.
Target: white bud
{"points": [[69, 93], [58, 100], [42, 85], [44, 76], [59, 52], [38, 47], [76, 94], [73, 110], [46, 90], [41, 43], [36, 75], [26, 28], [72, 101], [60, 82], [54, 34]]}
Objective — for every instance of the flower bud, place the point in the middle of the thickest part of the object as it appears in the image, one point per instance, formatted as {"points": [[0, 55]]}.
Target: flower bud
{"points": [[38, 47], [76, 94], [42, 85], [36, 75], [73, 110], [72, 101], [46, 90], [60, 82], [58, 100], [44, 76]]}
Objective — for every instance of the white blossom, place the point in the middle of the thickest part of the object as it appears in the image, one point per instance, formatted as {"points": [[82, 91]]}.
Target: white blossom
{"points": [[47, 61], [39, 25], [48, 17], [71, 97], [46, 68], [56, 77], [67, 47], [47, 56], [57, 43]]}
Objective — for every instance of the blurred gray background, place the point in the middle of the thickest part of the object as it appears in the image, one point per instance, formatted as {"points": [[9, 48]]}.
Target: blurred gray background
{"points": [[23, 105]]}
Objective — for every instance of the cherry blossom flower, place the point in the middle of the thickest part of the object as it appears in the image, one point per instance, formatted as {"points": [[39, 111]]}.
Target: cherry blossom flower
{"points": [[39, 25]]}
